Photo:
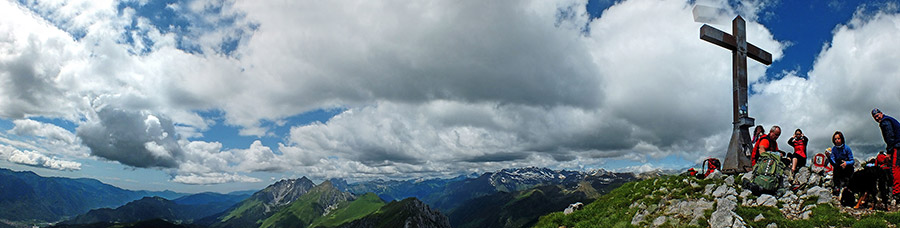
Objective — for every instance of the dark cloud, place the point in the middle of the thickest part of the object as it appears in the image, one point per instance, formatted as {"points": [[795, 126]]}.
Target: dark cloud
{"points": [[134, 138], [499, 157]]}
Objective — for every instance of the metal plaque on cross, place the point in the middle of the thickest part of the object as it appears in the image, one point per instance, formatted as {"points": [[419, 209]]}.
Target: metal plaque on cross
{"points": [[737, 158]]}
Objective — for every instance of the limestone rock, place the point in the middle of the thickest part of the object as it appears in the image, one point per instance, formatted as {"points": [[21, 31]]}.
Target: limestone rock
{"points": [[689, 208], [715, 175], [772, 225], [805, 215], [747, 177], [823, 194], [709, 189], [721, 218], [745, 193], [758, 218], [766, 200], [729, 180], [720, 192], [809, 207], [725, 204], [788, 197], [802, 175], [748, 202], [738, 223], [639, 217], [814, 179], [659, 220]]}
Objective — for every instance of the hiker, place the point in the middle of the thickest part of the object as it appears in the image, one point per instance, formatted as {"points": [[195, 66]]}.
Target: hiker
{"points": [[883, 162], [766, 143], [757, 133], [842, 161], [890, 131], [799, 142]]}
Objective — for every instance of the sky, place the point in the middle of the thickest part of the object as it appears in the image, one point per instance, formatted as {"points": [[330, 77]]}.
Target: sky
{"points": [[223, 95]]}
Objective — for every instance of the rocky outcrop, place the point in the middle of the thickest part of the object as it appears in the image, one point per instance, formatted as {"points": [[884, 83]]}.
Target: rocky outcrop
{"points": [[801, 192], [283, 192], [264, 203]]}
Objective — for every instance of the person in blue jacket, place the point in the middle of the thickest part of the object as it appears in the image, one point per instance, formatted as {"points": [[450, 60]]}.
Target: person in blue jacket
{"points": [[842, 161], [890, 131]]}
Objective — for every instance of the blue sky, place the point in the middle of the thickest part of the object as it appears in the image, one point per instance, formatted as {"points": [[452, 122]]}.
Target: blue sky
{"points": [[198, 96]]}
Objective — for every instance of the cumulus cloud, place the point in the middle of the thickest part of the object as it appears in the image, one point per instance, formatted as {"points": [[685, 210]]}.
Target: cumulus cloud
{"points": [[853, 74], [646, 93], [213, 178], [32, 158], [46, 138], [134, 138], [429, 88]]}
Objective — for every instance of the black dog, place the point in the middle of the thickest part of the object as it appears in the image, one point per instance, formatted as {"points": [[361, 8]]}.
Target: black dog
{"points": [[864, 183]]}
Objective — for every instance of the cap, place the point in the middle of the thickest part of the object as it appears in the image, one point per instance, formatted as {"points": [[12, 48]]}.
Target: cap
{"points": [[875, 111]]}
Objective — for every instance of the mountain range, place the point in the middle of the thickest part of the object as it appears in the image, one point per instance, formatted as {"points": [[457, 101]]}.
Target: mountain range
{"points": [[25, 196], [505, 198], [185, 209]]}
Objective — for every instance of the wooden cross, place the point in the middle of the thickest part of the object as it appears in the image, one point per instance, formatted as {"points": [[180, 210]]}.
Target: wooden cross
{"points": [[737, 160]]}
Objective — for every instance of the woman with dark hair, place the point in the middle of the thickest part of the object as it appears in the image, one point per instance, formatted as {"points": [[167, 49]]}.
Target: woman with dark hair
{"points": [[841, 160], [799, 142], [758, 132]]}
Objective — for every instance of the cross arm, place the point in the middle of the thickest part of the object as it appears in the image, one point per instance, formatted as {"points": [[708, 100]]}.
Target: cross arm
{"points": [[725, 40]]}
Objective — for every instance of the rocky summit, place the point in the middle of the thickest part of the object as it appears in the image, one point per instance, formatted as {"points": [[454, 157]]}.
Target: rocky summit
{"points": [[721, 201]]}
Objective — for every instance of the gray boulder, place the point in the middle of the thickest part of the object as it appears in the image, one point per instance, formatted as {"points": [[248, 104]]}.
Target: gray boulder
{"points": [[725, 204], [766, 200], [823, 194], [720, 191], [802, 175], [721, 218], [759, 217], [715, 175], [709, 189], [659, 220], [636, 220]]}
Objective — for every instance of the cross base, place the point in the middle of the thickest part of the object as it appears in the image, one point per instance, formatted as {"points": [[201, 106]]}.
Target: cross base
{"points": [[737, 159]]}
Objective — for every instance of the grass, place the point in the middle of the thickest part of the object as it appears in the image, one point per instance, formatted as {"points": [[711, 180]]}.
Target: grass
{"points": [[613, 209], [248, 205], [362, 206]]}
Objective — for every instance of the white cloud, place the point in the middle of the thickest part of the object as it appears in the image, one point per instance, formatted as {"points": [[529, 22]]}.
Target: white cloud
{"points": [[213, 178], [854, 73], [33, 158], [430, 87], [47, 138]]}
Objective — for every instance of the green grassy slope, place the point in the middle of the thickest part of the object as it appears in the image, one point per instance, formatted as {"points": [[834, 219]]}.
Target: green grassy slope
{"points": [[362, 206], [517, 209], [309, 207], [613, 209], [247, 214], [393, 214]]}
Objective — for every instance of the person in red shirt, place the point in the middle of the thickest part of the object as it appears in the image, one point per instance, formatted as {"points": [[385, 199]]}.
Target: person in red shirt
{"points": [[883, 161], [766, 143], [799, 142]]}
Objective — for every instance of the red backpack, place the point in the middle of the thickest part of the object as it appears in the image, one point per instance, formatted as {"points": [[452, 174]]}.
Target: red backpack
{"points": [[710, 165]]}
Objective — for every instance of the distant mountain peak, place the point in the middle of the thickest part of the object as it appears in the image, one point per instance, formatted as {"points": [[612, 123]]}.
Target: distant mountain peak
{"points": [[283, 192]]}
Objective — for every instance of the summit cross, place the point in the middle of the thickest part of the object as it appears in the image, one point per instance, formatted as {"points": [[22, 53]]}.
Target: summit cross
{"points": [[737, 159]]}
